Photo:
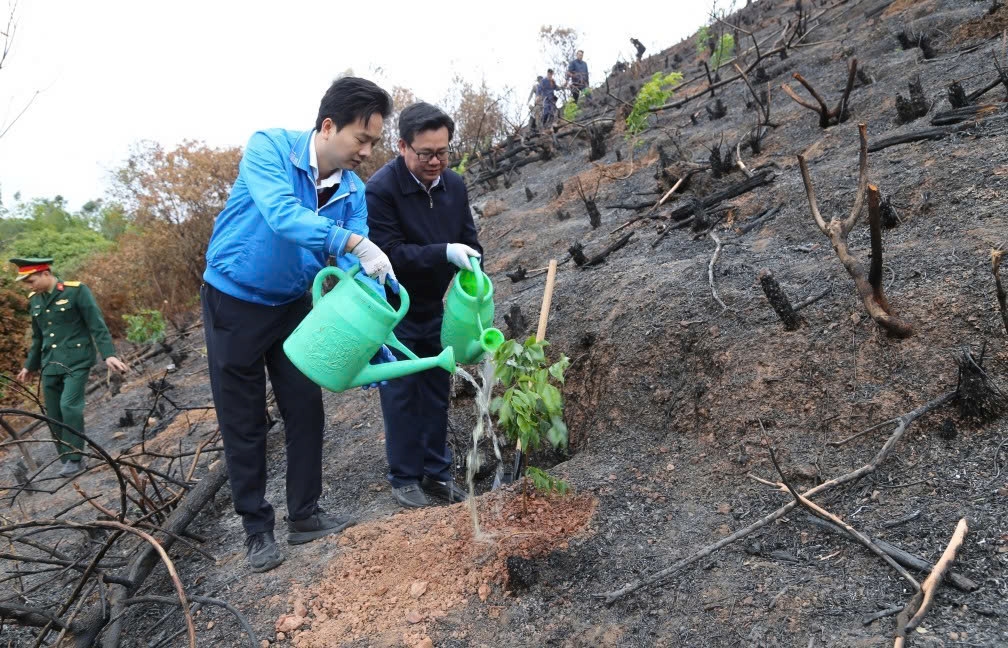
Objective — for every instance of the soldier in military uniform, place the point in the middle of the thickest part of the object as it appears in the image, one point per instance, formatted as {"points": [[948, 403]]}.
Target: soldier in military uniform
{"points": [[66, 326]]}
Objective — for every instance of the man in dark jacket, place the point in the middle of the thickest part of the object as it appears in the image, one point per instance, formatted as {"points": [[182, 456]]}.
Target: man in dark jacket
{"points": [[577, 75], [418, 213], [295, 204]]}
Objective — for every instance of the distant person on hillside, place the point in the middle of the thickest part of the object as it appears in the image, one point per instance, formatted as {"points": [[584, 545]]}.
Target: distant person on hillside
{"points": [[536, 106], [66, 327], [639, 46], [418, 210], [295, 204], [547, 93], [577, 75]]}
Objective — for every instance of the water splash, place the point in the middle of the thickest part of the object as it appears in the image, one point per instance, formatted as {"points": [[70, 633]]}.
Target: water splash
{"points": [[484, 427]]}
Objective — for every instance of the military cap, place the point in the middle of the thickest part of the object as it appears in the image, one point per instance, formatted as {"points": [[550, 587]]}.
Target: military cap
{"points": [[28, 266]]}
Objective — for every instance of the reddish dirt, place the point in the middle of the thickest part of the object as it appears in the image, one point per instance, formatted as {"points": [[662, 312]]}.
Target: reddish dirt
{"points": [[395, 576]]}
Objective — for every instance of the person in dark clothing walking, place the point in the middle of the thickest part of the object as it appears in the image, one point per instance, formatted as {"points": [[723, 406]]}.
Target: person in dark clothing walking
{"points": [[577, 75], [418, 212], [547, 92], [296, 204]]}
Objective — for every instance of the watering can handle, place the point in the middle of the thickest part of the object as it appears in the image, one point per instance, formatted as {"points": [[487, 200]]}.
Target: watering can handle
{"points": [[480, 278], [348, 275]]}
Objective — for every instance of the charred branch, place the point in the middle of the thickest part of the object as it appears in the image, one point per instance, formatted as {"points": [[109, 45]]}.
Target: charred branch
{"points": [[759, 220], [979, 398], [957, 115], [759, 179], [869, 287], [827, 117], [594, 216]]}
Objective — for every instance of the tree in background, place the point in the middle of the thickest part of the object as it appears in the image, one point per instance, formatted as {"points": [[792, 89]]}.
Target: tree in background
{"points": [[478, 113], [388, 147], [558, 46], [169, 200], [45, 228]]}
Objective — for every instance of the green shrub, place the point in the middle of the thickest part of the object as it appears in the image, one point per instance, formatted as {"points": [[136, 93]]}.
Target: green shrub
{"points": [[145, 327], [652, 94], [723, 51], [531, 406], [570, 111]]}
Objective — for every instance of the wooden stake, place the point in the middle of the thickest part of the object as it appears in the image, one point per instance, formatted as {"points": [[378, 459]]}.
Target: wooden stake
{"points": [[547, 299]]}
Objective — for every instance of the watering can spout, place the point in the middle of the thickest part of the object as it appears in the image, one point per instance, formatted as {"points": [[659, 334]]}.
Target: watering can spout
{"points": [[390, 370]]}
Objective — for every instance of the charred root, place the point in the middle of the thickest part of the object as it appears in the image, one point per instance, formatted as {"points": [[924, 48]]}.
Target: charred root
{"points": [[979, 398], [957, 95], [718, 111], [914, 107], [779, 300], [516, 322], [518, 274]]}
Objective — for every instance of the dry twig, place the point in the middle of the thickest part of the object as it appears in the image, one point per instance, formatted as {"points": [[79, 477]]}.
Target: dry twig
{"points": [[827, 117]]}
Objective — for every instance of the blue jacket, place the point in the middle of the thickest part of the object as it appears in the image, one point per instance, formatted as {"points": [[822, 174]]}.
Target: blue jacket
{"points": [[577, 71], [271, 239]]}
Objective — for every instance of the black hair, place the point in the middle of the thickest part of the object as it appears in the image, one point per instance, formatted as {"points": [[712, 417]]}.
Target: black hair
{"points": [[549, 71], [422, 116], [351, 98]]}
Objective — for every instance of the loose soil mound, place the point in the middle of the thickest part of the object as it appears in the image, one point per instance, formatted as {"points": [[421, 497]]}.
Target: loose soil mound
{"points": [[397, 575]]}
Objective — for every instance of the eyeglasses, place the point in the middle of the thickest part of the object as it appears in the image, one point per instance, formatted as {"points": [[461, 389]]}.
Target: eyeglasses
{"points": [[425, 156]]}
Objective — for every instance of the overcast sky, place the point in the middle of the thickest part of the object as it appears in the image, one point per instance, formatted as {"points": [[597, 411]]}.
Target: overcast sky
{"points": [[114, 72]]}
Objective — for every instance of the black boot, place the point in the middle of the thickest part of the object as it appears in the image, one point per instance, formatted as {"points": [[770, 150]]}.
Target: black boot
{"points": [[261, 552], [318, 525]]}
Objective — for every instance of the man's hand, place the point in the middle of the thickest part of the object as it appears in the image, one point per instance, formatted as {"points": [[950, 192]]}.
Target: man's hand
{"points": [[22, 375], [459, 253], [374, 262], [115, 364]]}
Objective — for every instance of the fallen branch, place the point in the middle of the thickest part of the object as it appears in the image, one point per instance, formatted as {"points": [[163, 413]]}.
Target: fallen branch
{"points": [[759, 220], [904, 423], [904, 558], [996, 256], [922, 601], [820, 512], [932, 133], [710, 270], [661, 201], [868, 288], [813, 299], [758, 180], [957, 115], [584, 262]]}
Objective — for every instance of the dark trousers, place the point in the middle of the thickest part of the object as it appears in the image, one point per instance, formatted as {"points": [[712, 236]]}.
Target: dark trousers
{"points": [[241, 338], [64, 401], [415, 409]]}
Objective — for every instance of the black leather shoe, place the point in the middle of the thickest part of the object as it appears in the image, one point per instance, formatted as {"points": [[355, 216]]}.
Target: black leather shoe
{"points": [[444, 490], [261, 552], [410, 496], [318, 525]]}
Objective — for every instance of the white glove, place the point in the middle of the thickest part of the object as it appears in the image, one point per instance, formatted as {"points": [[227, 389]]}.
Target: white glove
{"points": [[459, 253], [374, 262]]}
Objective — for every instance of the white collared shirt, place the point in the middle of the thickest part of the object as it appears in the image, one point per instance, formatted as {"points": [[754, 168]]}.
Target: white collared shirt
{"points": [[436, 182], [334, 178]]}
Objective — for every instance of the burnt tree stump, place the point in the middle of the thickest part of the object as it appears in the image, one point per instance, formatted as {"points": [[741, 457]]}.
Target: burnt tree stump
{"points": [[779, 300], [916, 106], [516, 323]]}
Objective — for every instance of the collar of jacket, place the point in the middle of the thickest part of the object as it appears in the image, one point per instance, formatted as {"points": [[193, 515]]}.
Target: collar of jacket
{"points": [[300, 157], [407, 183]]}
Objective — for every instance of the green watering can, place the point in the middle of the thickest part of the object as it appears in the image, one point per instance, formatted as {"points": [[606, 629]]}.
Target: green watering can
{"points": [[335, 342], [468, 306]]}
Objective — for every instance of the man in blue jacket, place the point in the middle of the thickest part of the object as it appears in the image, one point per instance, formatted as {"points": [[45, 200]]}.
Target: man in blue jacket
{"points": [[296, 203], [418, 212]]}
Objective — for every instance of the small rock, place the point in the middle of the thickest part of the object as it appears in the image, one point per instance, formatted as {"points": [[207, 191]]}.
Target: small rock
{"points": [[151, 421], [209, 625], [612, 477], [954, 636], [425, 643], [875, 495], [300, 609], [264, 643], [413, 617], [484, 592], [417, 589], [855, 318], [724, 508], [281, 636], [289, 622]]}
